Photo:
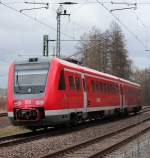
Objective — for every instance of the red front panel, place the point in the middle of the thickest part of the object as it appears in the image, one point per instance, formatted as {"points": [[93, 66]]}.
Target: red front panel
{"points": [[69, 98], [10, 89]]}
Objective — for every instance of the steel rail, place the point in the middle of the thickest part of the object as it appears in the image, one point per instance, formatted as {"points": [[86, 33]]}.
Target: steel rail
{"points": [[71, 149], [117, 145], [3, 114], [23, 137], [30, 136]]}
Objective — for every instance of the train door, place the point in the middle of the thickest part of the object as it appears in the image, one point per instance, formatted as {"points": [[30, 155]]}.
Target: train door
{"points": [[121, 97], [85, 99], [74, 91]]}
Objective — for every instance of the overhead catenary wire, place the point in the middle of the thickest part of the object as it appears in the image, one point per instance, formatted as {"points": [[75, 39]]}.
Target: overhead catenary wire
{"points": [[97, 1], [121, 23], [143, 25], [49, 26], [88, 2], [36, 20]]}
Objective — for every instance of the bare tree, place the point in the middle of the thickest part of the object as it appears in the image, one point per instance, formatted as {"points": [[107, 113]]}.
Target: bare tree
{"points": [[120, 61], [143, 77], [106, 51], [95, 51]]}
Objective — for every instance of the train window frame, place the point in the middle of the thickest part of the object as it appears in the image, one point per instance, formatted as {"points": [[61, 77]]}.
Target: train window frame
{"points": [[62, 83], [93, 85], [101, 87], [84, 85], [111, 89], [105, 87], [114, 89], [108, 87], [71, 83], [77, 83], [117, 89], [97, 86]]}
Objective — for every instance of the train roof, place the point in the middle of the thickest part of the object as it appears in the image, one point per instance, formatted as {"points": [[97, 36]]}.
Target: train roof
{"points": [[95, 72], [33, 60], [72, 65]]}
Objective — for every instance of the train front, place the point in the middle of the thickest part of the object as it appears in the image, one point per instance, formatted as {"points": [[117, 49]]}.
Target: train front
{"points": [[26, 92]]}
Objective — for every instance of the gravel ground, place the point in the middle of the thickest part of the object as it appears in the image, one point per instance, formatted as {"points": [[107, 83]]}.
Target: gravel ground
{"points": [[139, 148], [50, 144], [4, 122]]}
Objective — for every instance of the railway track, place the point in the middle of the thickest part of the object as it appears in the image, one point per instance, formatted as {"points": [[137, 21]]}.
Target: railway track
{"points": [[30, 136], [3, 114], [146, 109], [99, 146], [24, 137]]}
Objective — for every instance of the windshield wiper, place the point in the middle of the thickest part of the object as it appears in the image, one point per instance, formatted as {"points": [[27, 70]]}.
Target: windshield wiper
{"points": [[17, 81]]}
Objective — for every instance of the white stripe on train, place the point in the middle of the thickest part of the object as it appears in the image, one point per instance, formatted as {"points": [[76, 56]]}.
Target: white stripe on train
{"points": [[67, 111]]}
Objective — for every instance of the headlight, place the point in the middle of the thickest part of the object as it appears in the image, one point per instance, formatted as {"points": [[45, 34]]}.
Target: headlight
{"points": [[17, 103], [39, 102]]}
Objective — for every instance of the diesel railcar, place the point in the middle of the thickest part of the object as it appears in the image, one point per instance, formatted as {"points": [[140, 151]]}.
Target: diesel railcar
{"points": [[43, 92]]}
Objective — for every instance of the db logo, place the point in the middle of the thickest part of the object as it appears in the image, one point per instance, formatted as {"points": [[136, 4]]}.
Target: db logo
{"points": [[27, 101]]}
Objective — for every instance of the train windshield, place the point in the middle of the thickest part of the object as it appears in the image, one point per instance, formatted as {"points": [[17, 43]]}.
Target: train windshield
{"points": [[30, 80]]}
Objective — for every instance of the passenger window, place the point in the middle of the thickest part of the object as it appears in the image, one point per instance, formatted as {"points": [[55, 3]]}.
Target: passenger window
{"points": [[62, 85], [117, 89], [97, 86], [77, 80], [71, 83], [105, 89], [92, 85], [108, 87], [113, 89], [84, 86], [101, 87]]}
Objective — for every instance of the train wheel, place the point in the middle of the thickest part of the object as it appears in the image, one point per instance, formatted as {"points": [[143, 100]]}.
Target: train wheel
{"points": [[46, 128], [126, 113], [117, 113], [33, 129], [135, 110], [73, 120]]}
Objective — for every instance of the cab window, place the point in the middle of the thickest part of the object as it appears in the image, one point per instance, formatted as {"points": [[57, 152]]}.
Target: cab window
{"points": [[62, 85]]}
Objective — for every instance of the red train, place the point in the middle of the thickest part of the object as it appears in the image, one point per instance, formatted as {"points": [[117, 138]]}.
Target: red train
{"points": [[44, 92]]}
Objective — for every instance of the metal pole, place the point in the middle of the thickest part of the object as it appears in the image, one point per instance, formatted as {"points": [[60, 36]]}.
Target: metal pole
{"points": [[60, 11], [58, 35]]}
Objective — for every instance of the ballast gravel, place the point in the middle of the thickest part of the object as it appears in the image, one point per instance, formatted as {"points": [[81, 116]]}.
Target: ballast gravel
{"points": [[49, 144], [138, 148]]}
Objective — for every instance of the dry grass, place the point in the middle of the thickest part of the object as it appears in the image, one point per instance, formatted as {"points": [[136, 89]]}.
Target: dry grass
{"points": [[2, 103], [12, 130]]}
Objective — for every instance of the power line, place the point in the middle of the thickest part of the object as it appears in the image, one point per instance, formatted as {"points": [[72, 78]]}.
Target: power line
{"points": [[76, 40], [95, 45], [89, 2], [32, 18], [120, 22], [101, 3], [144, 26]]}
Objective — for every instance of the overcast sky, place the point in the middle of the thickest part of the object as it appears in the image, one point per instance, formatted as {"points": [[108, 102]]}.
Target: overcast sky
{"points": [[21, 36]]}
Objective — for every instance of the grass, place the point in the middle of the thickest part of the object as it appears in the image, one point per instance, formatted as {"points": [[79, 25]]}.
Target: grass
{"points": [[12, 130]]}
